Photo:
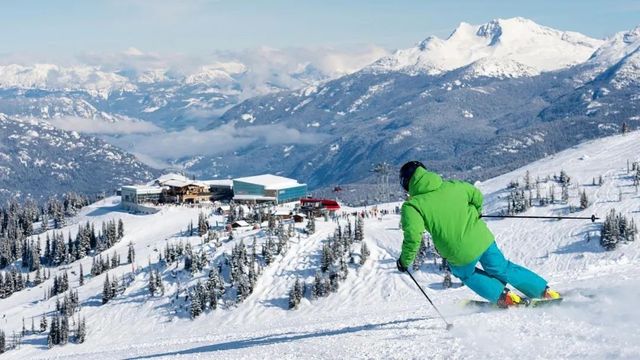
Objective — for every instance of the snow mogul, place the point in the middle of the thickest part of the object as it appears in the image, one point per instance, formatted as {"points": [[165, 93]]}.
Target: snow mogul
{"points": [[451, 212]]}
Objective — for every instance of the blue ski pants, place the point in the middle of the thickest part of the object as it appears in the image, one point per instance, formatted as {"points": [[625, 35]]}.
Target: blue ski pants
{"points": [[496, 273]]}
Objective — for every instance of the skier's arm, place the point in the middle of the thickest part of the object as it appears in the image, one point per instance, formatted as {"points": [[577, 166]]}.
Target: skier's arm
{"points": [[413, 227], [474, 195]]}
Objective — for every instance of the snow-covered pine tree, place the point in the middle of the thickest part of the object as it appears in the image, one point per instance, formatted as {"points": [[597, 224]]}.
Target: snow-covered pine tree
{"points": [[131, 254], [3, 342], [446, 283], [293, 300], [564, 179], [364, 252], [565, 194], [196, 306], [584, 200], [266, 251], [64, 330], [152, 283], [608, 235], [81, 277], [317, 289], [311, 225], [333, 281], [203, 225], [359, 231], [243, 289], [106, 289], [327, 259], [159, 283], [43, 323], [115, 260], [54, 333], [344, 269], [81, 332], [527, 180], [120, 229]]}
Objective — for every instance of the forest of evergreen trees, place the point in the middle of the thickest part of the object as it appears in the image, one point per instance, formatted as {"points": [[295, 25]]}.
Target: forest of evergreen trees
{"points": [[337, 254], [19, 221], [58, 251]]}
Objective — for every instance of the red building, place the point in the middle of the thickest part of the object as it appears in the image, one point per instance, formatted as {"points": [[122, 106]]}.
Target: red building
{"points": [[318, 206]]}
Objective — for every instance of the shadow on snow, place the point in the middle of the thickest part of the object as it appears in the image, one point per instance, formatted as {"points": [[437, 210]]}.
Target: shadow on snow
{"points": [[278, 339]]}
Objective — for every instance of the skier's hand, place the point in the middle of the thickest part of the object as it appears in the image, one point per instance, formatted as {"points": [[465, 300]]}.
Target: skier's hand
{"points": [[401, 267]]}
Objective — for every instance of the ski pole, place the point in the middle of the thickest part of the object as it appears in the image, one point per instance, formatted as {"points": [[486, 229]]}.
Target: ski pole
{"points": [[449, 326], [593, 218]]}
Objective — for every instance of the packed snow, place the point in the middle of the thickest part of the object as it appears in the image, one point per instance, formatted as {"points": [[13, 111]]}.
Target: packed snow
{"points": [[377, 312]]}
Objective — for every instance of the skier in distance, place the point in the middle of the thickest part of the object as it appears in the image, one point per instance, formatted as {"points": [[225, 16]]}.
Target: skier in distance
{"points": [[450, 211]]}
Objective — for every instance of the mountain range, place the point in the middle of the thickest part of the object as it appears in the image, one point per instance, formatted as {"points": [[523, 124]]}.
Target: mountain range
{"points": [[481, 102], [485, 100]]}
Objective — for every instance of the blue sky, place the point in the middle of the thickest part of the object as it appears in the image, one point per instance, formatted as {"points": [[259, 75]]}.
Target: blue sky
{"points": [[198, 27]]}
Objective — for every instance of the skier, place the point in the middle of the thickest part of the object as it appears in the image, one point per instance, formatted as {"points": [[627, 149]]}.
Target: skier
{"points": [[450, 211]]}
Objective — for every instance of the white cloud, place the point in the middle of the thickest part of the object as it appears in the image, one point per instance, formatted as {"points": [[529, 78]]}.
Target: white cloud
{"points": [[160, 148], [122, 126]]}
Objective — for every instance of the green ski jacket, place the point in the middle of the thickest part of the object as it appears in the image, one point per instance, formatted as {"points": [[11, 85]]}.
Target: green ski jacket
{"points": [[450, 212]]}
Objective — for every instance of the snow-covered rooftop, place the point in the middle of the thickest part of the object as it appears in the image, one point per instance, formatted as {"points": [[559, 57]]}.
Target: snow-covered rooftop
{"points": [[270, 182], [223, 182], [171, 176], [241, 223], [143, 189]]}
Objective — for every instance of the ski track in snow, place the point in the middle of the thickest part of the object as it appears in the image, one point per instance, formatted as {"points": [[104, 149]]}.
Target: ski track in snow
{"points": [[377, 312]]}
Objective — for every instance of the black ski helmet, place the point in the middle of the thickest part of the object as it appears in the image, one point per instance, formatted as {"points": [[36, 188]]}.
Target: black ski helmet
{"points": [[406, 172]]}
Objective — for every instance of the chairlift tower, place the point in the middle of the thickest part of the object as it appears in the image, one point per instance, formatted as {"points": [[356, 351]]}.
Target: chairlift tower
{"points": [[383, 171]]}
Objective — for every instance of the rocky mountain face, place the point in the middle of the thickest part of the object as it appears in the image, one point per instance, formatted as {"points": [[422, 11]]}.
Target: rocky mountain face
{"points": [[38, 160]]}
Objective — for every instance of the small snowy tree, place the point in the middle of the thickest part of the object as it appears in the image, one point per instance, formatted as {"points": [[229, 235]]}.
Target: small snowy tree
{"points": [[196, 306], [152, 283], [106, 289], [584, 200], [296, 294], [446, 283], [364, 252], [131, 254], [81, 332]]}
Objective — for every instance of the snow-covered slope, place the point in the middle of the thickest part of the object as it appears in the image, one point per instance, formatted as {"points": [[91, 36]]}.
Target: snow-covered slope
{"points": [[377, 312], [504, 48]]}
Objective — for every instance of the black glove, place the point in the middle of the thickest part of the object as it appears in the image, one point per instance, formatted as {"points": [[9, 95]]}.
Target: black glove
{"points": [[401, 267]]}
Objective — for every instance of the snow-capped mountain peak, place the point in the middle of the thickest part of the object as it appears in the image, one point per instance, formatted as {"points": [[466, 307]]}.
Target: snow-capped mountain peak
{"points": [[216, 73], [48, 76], [616, 47], [517, 42]]}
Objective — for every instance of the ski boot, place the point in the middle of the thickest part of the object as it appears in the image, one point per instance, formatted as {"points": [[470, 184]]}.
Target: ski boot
{"points": [[509, 298], [550, 294]]}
